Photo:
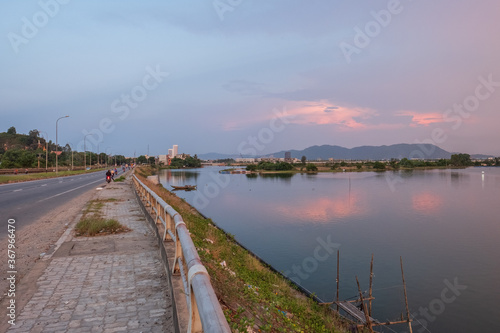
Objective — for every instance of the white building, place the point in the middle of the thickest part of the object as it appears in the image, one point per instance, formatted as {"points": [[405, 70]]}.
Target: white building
{"points": [[171, 153], [163, 159], [176, 150]]}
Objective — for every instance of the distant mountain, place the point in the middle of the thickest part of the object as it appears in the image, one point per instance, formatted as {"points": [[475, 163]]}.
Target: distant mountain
{"points": [[324, 152], [398, 151]]}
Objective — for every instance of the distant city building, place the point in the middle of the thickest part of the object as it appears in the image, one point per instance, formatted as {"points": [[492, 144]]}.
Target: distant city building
{"points": [[176, 150], [288, 156], [163, 159], [171, 153], [244, 160]]}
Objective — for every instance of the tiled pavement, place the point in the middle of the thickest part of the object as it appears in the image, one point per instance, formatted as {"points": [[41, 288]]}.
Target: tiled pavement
{"points": [[112, 283]]}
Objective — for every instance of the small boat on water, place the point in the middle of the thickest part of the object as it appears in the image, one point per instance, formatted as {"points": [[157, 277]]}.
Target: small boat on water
{"points": [[185, 187]]}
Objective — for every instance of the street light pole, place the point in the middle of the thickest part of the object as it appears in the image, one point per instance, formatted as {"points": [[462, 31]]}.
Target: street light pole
{"points": [[107, 155], [85, 153], [56, 142], [71, 156]]}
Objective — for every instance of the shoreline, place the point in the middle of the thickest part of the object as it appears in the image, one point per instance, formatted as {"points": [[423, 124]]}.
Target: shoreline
{"points": [[347, 170]]}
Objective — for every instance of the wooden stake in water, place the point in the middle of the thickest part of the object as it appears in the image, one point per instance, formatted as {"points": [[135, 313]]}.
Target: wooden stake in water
{"points": [[371, 285], [406, 298], [338, 277], [368, 321]]}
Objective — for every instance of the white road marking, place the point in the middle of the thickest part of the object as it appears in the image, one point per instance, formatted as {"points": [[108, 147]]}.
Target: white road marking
{"points": [[76, 188], [18, 190]]}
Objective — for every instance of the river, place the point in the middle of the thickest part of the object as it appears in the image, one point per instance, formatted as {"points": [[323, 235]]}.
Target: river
{"points": [[445, 224]]}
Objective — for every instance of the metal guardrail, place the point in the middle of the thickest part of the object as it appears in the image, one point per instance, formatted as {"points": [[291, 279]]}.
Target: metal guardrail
{"points": [[205, 313]]}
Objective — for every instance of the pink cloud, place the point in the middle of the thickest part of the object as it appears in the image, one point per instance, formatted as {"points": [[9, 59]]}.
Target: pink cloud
{"points": [[325, 113], [424, 119], [311, 113]]}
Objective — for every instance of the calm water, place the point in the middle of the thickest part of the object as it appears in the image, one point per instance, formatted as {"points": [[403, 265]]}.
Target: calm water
{"points": [[444, 223]]}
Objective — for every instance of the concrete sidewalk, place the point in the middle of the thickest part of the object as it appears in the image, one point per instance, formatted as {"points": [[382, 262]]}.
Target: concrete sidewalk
{"points": [[113, 283]]}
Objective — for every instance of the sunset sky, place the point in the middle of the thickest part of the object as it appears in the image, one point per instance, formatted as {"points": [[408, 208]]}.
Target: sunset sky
{"points": [[208, 75]]}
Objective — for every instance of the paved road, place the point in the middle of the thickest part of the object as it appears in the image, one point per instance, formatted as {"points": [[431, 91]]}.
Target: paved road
{"points": [[27, 201], [110, 283]]}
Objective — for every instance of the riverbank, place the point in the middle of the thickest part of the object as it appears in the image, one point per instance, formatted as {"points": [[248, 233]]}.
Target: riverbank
{"points": [[322, 169], [253, 297]]}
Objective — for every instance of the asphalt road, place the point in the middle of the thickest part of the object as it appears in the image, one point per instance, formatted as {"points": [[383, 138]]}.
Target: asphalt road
{"points": [[27, 201]]}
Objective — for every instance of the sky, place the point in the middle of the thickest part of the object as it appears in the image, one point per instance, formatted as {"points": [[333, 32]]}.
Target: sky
{"points": [[244, 77]]}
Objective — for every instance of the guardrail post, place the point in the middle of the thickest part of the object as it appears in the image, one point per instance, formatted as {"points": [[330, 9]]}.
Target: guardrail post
{"points": [[194, 314], [158, 207], [178, 250], [168, 225]]}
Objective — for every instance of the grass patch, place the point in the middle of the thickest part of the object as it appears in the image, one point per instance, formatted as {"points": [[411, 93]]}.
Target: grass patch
{"points": [[251, 294], [92, 226], [120, 179]]}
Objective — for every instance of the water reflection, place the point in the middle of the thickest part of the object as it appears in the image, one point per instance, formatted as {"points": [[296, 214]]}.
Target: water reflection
{"points": [[323, 209], [178, 177], [287, 177], [427, 202], [442, 222]]}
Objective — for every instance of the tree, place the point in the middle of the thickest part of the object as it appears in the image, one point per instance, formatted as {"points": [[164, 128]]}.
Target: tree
{"points": [[406, 163], [176, 163], [151, 160], [270, 166], [141, 159], [18, 158], [303, 159], [460, 160], [251, 167], [394, 163], [192, 162], [311, 167], [379, 165], [12, 130]]}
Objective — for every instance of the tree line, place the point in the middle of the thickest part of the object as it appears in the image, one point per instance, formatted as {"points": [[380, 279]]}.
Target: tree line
{"points": [[33, 151]]}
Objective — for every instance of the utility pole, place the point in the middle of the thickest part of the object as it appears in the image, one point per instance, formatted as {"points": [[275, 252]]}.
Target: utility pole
{"points": [[85, 153], [56, 142]]}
